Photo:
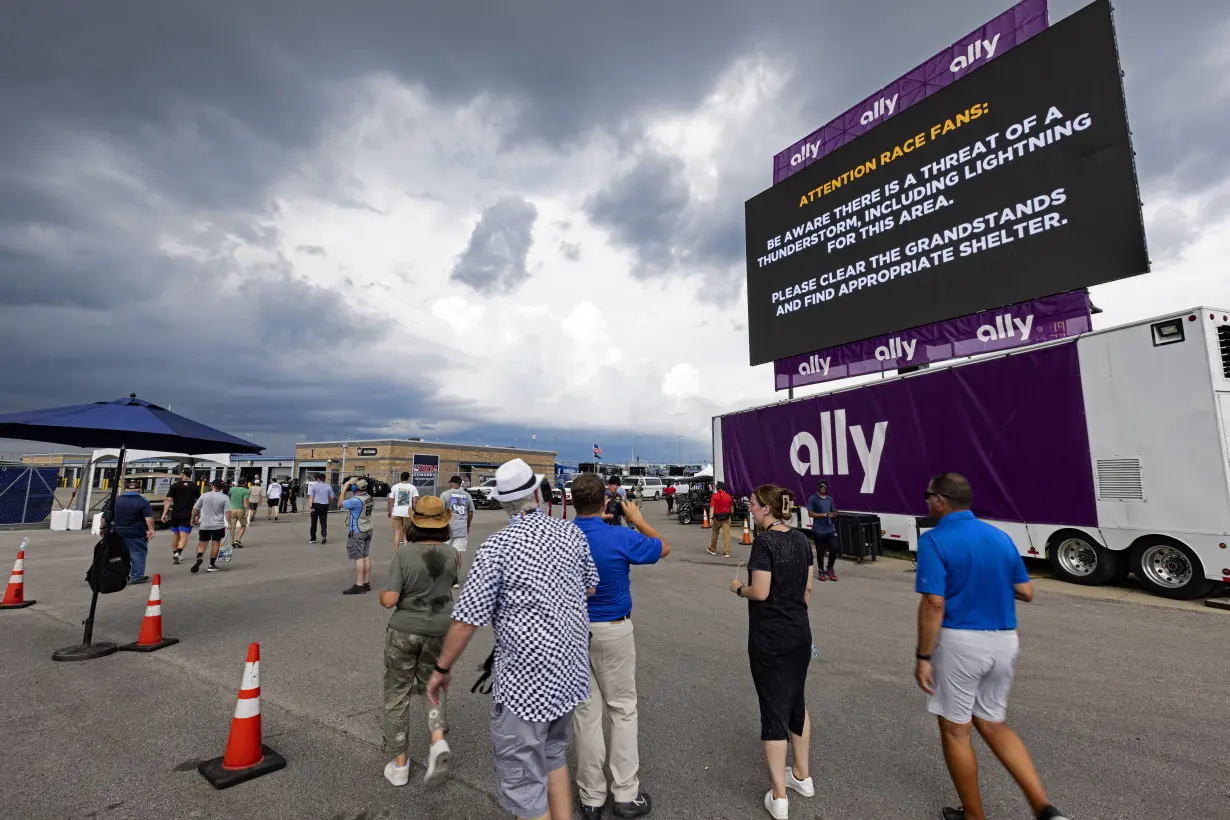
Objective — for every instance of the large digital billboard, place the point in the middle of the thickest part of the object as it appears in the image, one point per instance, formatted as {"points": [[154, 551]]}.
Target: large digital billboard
{"points": [[1010, 29], [1016, 182]]}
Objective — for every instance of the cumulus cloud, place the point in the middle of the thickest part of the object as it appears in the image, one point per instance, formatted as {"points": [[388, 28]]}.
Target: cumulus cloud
{"points": [[494, 261]]}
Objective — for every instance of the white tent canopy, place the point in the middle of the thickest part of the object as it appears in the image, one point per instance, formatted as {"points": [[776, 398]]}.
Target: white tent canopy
{"points": [[223, 459], [707, 472]]}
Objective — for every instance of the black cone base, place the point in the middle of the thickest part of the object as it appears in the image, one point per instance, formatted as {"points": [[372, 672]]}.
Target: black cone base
{"points": [[22, 605], [222, 778], [153, 647], [1218, 603], [81, 652]]}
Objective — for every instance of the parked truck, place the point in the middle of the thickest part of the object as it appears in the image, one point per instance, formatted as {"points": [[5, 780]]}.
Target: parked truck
{"points": [[1106, 453]]}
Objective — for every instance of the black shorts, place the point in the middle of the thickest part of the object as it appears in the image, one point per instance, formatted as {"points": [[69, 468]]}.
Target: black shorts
{"points": [[273, 502], [254, 505], [212, 535]]}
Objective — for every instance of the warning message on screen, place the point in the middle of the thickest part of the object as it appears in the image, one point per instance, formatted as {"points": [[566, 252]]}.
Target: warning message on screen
{"points": [[1014, 183]]}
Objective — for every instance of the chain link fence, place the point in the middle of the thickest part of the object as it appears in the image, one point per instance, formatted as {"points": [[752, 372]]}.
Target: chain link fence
{"points": [[27, 495]]}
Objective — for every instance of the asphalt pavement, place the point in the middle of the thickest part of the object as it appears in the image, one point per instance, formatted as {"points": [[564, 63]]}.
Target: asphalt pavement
{"points": [[1124, 705]]}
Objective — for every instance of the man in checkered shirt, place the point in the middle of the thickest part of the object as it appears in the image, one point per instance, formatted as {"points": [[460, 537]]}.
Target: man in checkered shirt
{"points": [[530, 581]]}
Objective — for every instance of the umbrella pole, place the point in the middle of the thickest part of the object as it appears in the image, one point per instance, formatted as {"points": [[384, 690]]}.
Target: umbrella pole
{"points": [[87, 650]]}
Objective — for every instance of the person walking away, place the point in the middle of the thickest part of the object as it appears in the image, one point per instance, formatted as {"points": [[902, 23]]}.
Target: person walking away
{"points": [[274, 496], [541, 657], [177, 512], [779, 643], [669, 492], [823, 509], [401, 501], [319, 494], [970, 577], [284, 499], [615, 496], [461, 505], [721, 508], [612, 656], [359, 535], [238, 495], [418, 590], [294, 495], [133, 520], [255, 496], [212, 512]]}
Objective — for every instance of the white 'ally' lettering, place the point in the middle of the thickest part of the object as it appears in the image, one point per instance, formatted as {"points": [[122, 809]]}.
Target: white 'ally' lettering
{"points": [[1003, 328], [808, 457], [978, 50]]}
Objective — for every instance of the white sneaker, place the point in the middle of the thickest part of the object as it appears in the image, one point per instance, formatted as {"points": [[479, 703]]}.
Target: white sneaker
{"points": [[437, 763], [397, 775], [778, 809], [803, 787]]}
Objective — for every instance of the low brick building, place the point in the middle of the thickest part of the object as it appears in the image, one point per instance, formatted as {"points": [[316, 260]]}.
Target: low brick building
{"points": [[430, 463]]}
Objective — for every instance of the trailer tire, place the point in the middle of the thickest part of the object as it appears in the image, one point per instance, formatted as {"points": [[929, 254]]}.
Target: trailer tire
{"points": [[1078, 559], [1169, 569], [685, 516]]}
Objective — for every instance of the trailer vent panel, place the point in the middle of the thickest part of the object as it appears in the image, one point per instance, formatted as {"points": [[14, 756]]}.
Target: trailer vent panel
{"points": [[1120, 479], [1223, 342]]}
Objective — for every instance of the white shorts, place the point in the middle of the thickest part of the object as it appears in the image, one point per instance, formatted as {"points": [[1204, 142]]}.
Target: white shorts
{"points": [[459, 544], [973, 674]]}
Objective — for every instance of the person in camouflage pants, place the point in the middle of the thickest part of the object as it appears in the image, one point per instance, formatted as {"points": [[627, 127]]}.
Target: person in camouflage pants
{"points": [[419, 590]]}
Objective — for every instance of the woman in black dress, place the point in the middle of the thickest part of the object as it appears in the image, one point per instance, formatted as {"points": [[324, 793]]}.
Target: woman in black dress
{"points": [[779, 642]]}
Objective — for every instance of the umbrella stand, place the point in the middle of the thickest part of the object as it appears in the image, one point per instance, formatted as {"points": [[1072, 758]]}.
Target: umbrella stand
{"points": [[87, 650]]}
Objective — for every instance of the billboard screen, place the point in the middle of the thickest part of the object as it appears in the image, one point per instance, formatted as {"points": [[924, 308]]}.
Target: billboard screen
{"points": [[1029, 323], [1009, 29], [1014, 183], [425, 470]]}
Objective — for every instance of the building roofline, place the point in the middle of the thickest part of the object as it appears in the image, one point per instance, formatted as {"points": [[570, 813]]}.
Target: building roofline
{"points": [[460, 446]]}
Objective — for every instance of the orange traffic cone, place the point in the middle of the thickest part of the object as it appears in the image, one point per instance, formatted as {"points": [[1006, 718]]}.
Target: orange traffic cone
{"points": [[15, 593], [747, 532], [705, 523], [246, 757], [150, 637]]}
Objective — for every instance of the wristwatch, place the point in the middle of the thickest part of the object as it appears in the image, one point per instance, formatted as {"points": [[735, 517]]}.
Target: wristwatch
{"points": [[739, 591], [441, 669], [921, 657]]}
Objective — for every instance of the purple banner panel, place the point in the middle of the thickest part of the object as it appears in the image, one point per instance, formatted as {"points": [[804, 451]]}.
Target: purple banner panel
{"points": [[1013, 425], [1009, 29], [1027, 323]]}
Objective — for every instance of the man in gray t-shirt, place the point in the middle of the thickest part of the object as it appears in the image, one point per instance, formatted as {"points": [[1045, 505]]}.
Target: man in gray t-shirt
{"points": [[320, 493], [212, 512], [461, 504]]}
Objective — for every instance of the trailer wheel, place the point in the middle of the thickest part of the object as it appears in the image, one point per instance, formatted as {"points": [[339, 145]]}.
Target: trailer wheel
{"points": [[685, 516], [1169, 569], [1078, 559]]}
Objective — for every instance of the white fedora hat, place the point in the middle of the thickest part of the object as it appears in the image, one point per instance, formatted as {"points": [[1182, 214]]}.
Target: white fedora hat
{"points": [[515, 480]]}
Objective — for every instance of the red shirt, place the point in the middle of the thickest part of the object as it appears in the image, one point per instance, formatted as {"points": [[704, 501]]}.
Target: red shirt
{"points": [[670, 490], [721, 502]]}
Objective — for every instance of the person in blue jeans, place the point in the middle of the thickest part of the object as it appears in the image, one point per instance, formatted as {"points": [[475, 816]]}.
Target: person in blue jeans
{"points": [[133, 520], [822, 509]]}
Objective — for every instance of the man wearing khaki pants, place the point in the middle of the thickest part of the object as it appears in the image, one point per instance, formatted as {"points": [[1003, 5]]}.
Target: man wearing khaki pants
{"points": [[612, 655]]}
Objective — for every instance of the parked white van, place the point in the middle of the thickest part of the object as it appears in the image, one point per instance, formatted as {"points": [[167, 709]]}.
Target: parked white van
{"points": [[648, 487]]}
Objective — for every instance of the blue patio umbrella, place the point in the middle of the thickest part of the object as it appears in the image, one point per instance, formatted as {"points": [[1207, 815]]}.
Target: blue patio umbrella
{"points": [[123, 423]]}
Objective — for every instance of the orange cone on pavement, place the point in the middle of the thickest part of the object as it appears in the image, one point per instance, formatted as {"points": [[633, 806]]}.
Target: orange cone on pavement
{"points": [[15, 592], [747, 532], [705, 523], [150, 637], [246, 757]]}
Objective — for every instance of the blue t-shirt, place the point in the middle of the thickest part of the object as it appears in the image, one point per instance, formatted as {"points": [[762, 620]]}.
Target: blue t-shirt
{"points": [[131, 510], [821, 524], [974, 567], [614, 550], [355, 505]]}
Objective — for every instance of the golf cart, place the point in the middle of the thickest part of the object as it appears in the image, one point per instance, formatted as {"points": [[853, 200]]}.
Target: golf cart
{"points": [[693, 503]]}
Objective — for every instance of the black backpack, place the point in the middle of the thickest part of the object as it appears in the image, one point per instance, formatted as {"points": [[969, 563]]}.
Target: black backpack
{"points": [[112, 565]]}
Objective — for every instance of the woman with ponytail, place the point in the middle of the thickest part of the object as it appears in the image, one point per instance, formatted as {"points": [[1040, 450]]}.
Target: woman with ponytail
{"points": [[779, 642]]}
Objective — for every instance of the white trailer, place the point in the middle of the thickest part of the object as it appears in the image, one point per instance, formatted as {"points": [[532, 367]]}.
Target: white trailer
{"points": [[1155, 400]]}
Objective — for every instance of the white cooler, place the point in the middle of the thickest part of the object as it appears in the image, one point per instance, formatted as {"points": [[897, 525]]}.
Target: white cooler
{"points": [[59, 520]]}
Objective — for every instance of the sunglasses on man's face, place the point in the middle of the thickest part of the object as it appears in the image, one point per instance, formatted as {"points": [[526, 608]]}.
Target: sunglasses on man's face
{"points": [[929, 493]]}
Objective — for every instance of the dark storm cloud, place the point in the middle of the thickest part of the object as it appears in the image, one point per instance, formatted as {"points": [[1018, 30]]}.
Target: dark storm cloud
{"points": [[494, 261], [131, 129]]}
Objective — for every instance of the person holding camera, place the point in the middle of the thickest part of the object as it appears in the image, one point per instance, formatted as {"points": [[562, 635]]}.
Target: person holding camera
{"points": [[359, 535]]}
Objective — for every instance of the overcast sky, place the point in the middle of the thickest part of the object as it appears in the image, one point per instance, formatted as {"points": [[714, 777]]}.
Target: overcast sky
{"points": [[475, 221]]}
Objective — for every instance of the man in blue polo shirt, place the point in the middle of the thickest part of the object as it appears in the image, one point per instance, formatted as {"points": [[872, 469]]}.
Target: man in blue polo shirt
{"points": [[970, 576], [133, 519], [612, 653]]}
